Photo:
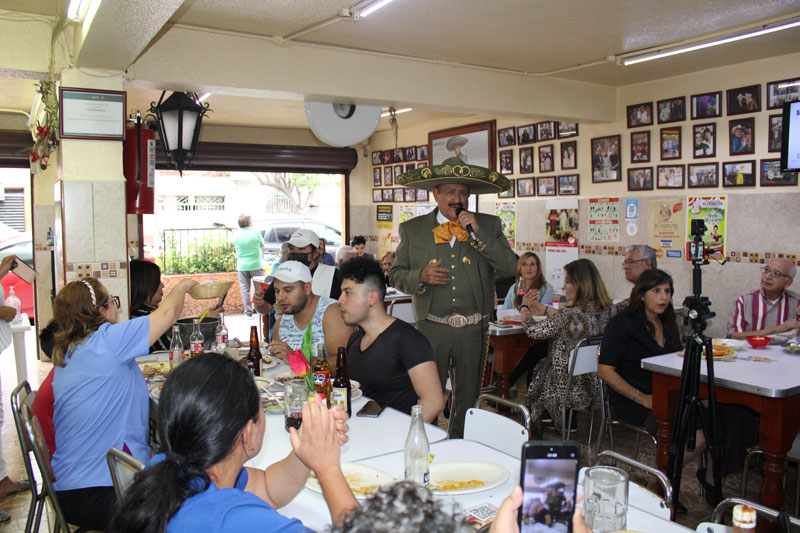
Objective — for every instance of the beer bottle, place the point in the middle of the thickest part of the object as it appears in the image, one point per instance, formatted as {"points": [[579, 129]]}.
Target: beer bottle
{"points": [[196, 341], [341, 385], [221, 334], [744, 519], [322, 374], [175, 347], [254, 355], [417, 450]]}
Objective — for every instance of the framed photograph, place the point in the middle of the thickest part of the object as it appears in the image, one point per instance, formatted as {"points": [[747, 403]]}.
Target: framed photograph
{"points": [[640, 115], [742, 132], [705, 140], [525, 134], [771, 175], [376, 195], [387, 195], [640, 179], [410, 195], [671, 110], [422, 164], [422, 195], [376, 177], [567, 129], [398, 155], [526, 160], [387, 177], [671, 143], [606, 163], [525, 187], [569, 185], [703, 175], [410, 153], [399, 194], [744, 100], [545, 131], [739, 174], [510, 192], [410, 166], [388, 157], [775, 137], [670, 177], [377, 157], [780, 92], [546, 158], [474, 144], [92, 114], [507, 161], [640, 146], [398, 169], [707, 105], [569, 155], [507, 137], [546, 186], [422, 152]]}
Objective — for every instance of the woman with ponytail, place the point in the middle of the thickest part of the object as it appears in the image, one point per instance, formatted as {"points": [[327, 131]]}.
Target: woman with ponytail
{"points": [[210, 423], [101, 399]]}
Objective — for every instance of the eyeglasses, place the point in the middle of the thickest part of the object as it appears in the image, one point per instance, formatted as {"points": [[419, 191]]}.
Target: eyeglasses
{"points": [[629, 262], [114, 300], [774, 273]]}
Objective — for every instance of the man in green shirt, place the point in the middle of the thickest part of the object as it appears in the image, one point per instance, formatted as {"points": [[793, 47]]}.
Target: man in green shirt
{"points": [[248, 259]]}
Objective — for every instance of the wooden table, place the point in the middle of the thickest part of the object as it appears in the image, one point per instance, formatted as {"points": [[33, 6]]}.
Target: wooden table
{"points": [[770, 388], [509, 346]]}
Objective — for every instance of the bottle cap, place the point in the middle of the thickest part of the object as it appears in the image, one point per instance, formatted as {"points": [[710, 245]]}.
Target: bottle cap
{"points": [[744, 517]]}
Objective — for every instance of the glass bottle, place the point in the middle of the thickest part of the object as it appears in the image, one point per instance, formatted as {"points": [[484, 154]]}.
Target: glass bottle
{"points": [[221, 334], [340, 394], [417, 450], [196, 340], [744, 519], [322, 374], [254, 355], [176, 347]]}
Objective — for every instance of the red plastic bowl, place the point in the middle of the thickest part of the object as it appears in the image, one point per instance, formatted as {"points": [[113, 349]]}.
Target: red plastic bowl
{"points": [[758, 341]]}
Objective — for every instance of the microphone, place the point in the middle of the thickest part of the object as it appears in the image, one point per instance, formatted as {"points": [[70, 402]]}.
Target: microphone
{"points": [[459, 209]]}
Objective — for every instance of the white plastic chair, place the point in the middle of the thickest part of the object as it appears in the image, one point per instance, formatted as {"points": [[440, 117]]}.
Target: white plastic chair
{"points": [[123, 468], [495, 430], [403, 309], [582, 360]]}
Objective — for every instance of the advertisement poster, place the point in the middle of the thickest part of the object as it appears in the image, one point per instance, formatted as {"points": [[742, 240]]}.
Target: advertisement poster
{"points": [[384, 241], [424, 209], [604, 219], [667, 228], [384, 216], [712, 210], [406, 213], [507, 212], [562, 239]]}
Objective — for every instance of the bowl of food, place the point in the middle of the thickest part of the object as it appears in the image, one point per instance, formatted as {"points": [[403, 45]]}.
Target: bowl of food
{"points": [[758, 341], [792, 347]]}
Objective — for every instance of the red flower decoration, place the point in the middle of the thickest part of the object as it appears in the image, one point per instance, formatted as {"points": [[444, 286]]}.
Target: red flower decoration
{"points": [[298, 363]]}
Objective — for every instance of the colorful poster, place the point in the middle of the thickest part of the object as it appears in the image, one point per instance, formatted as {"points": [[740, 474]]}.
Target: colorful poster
{"points": [[604, 219], [562, 239], [406, 212], [667, 228], [384, 216], [712, 210], [507, 212]]}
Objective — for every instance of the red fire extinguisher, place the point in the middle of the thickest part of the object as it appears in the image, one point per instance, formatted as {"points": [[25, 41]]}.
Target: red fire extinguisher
{"points": [[139, 166]]}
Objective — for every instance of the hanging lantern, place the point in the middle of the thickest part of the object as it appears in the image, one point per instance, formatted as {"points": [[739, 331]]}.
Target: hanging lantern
{"points": [[179, 119]]}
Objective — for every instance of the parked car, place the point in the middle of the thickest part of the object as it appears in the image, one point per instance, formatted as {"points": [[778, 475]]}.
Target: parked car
{"points": [[20, 245], [278, 230]]}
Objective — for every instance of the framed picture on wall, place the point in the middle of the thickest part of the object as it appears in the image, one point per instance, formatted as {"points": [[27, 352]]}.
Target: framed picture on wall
{"points": [[671, 110], [771, 175], [707, 105], [398, 155], [387, 177], [742, 132], [545, 131], [410, 166], [775, 136], [703, 175], [671, 143], [526, 134], [780, 92], [744, 100], [739, 174], [546, 158], [507, 161], [376, 177], [567, 129], [376, 195], [569, 155], [506, 137], [410, 195], [422, 195], [569, 185], [546, 186], [640, 115], [388, 157], [525, 187], [640, 179], [399, 194], [509, 193], [410, 153], [398, 169], [387, 195], [670, 177], [640, 146], [526, 160], [422, 152], [377, 158], [606, 163], [705, 140], [474, 144]]}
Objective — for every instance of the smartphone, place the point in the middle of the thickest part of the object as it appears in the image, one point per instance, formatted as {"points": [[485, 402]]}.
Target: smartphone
{"points": [[549, 480], [371, 409], [25, 273]]}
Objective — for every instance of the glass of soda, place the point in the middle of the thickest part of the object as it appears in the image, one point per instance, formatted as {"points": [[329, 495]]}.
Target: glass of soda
{"points": [[295, 395]]}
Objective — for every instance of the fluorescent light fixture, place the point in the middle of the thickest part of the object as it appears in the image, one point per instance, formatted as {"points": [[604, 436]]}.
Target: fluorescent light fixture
{"points": [[203, 97], [680, 49], [397, 112], [373, 7], [77, 9]]}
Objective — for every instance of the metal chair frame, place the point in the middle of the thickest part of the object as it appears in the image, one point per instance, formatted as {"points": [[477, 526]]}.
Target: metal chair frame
{"points": [[36, 508], [663, 480], [116, 458], [607, 423], [728, 503]]}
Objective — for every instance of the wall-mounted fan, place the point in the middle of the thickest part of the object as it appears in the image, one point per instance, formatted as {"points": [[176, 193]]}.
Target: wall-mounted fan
{"points": [[342, 124]]}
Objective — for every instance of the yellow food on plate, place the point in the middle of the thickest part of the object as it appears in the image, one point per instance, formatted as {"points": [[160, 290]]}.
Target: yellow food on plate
{"points": [[151, 370], [720, 350], [357, 484], [449, 484]]}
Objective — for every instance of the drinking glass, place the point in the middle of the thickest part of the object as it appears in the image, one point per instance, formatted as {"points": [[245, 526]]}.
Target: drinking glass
{"points": [[295, 395], [605, 498]]}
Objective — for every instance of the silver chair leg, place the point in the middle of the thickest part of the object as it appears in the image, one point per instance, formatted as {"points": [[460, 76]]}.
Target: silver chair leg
{"points": [[746, 470]]}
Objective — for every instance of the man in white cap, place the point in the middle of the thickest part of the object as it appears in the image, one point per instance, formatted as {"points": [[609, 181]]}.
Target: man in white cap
{"points": [[303, 310]]}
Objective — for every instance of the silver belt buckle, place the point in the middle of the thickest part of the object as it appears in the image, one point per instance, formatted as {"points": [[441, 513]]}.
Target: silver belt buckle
{"points": [[457, 321]]}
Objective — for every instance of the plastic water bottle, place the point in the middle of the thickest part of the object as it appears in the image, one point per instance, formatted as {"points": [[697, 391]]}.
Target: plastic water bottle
{"points": [[13, 301], [417, 451]]}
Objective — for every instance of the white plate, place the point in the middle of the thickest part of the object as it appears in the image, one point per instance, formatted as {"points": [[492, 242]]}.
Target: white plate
{"points": [[736, 344], [364, 480], [778, 339], [354, 384], [272, 362], [264, 383], [489, 474], [355, 395], [155, 390]]}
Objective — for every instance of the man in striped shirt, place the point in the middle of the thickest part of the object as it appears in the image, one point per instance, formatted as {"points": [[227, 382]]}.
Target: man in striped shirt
{"points": [[770, 309]]}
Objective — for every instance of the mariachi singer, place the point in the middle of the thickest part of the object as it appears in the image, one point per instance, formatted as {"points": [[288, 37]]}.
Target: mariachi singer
{"points": [[448, 260]]}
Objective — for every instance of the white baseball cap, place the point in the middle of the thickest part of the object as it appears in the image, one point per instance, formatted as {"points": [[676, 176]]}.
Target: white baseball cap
{"points": [[302, 238], [290, 272]]}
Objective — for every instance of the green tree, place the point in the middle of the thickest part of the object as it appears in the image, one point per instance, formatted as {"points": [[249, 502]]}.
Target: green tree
{"points": [[299, 188]]}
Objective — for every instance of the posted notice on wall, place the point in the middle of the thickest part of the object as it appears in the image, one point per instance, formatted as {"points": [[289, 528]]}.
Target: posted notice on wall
{"points": [[561, 246], [604, 219], [666, 228], [711, 209], [424, 209], [384, 217], [406, 212], [507, 213]]}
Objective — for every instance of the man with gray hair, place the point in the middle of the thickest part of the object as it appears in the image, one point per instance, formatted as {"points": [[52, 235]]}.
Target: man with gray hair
{"points": [[248, 245], [639, 259], [769, 309], [344, 254]]}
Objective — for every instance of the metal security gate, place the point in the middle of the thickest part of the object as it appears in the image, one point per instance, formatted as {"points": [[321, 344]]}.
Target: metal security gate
{"points": [[12, 209]]}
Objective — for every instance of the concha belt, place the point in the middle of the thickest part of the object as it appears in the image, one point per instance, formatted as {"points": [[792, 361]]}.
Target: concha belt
{"points": [[457, 320]]}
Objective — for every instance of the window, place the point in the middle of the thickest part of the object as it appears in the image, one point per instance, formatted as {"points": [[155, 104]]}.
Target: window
{"points": [[197, 203]]}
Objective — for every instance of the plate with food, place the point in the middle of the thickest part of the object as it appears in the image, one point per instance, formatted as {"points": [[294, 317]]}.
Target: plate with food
{"points": [[355, 394], [154, 365], [466, 477], [364, 480], [792, 347], [736, 344], [273, 407], [721, 352], [155, 390], [354, 385], [778, 339]]}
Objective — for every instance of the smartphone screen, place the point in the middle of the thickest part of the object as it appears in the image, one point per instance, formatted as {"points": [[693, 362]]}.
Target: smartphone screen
{"points": [[549, 478]]}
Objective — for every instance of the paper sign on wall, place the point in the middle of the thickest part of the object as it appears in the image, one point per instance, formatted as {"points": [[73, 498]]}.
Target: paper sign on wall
{"points": [[562, 239], [507, 212], [666, 228], [384, 218], [406, 212], [604, 219], [712, 210]]}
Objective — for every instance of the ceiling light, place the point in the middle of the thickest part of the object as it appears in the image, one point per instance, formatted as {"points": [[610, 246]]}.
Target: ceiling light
{"points": [[203, 97], [179, 118], [373, 7], [397, 112], [691, 47], [77, 9]]}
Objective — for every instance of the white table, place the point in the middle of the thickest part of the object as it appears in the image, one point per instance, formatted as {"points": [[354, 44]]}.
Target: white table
{"points": [[19, 326]]}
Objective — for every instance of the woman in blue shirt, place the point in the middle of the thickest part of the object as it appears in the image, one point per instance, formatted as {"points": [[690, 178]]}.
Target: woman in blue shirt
{"points": [[210, 424], [101, 399]]}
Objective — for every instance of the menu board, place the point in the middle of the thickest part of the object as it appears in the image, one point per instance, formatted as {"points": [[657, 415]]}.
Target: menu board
{"points": [[604, 219]]}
